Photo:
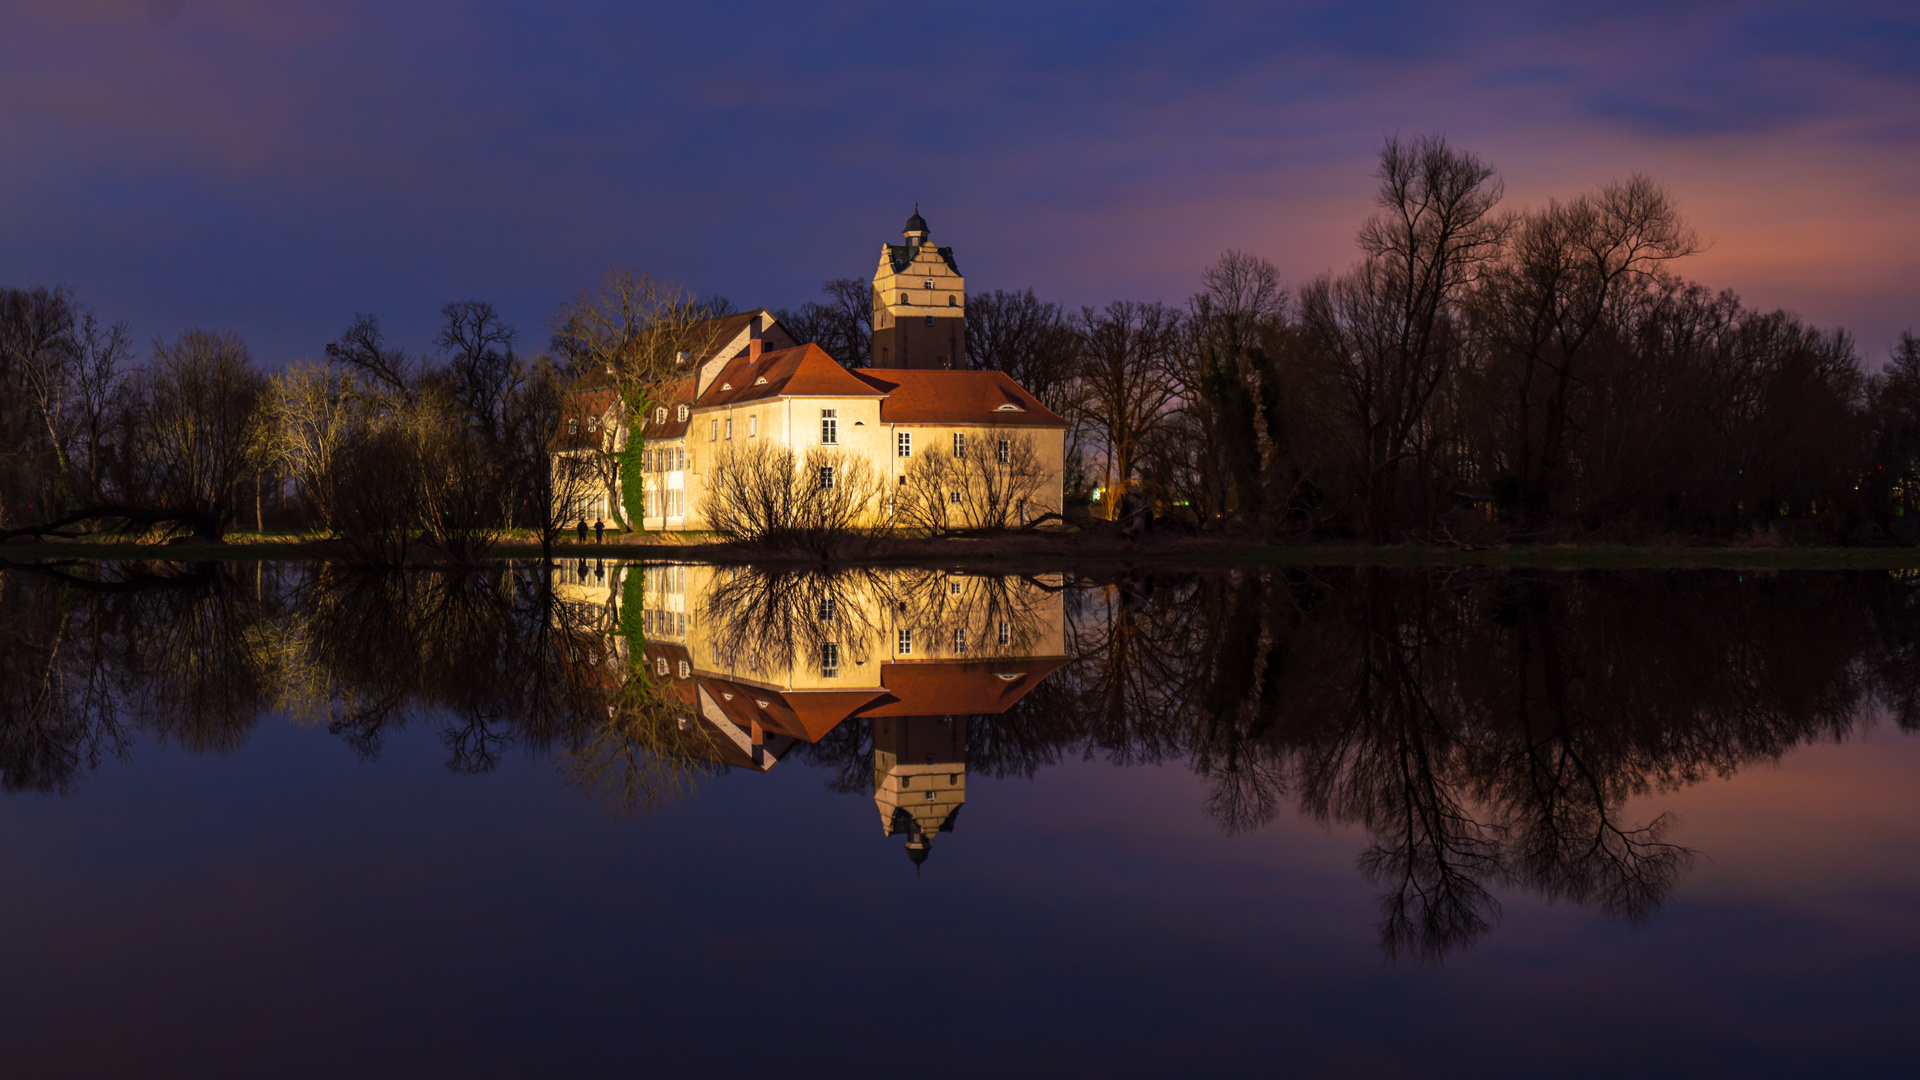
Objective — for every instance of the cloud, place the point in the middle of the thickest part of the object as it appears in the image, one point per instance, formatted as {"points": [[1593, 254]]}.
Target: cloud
{"points": [[278, 166]]}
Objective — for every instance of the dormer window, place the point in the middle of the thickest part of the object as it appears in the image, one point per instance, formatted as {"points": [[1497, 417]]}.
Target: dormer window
{"points": [[1009, 407], [685, 411], [726, 386], [573, 427], [660, 415], [593, 423], [761, 381]]}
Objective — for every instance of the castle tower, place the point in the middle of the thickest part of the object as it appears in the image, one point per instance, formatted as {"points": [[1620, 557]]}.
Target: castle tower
{"points": [[919, 304]]}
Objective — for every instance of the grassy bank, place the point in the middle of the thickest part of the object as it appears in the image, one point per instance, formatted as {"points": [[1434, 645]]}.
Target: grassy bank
{"points": [[1055, 550]]}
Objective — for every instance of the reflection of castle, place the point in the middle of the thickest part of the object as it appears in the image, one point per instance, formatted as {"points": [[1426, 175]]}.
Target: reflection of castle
{"points": [[768, 661]]}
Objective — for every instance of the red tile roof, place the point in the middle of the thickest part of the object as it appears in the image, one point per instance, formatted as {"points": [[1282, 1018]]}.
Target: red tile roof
{"points": [[956, 397], [803, 372]]}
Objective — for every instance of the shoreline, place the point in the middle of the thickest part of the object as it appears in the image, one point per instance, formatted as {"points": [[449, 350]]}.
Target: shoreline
{"points": [[1043, 551]]}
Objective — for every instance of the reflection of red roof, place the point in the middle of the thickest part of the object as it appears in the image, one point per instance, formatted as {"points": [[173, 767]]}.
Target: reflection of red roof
{"points": [[803, 715], [945, 688], [957, 397], [914, 688], [803, 372]]}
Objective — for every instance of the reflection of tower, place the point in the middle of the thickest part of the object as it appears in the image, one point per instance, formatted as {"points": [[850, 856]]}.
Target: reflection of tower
{"points": [[919, 777]]}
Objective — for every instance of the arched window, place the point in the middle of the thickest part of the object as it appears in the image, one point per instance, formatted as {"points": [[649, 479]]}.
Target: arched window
{"points": [[903, 298], [953, 301]]}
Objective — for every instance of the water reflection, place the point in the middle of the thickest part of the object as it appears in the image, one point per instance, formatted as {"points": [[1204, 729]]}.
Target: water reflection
{"points": [[1486, 730]]}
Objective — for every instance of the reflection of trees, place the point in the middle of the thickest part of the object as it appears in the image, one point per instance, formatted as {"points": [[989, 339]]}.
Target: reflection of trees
{"points": [[89, 650], [1483, 728], [493, 656]]}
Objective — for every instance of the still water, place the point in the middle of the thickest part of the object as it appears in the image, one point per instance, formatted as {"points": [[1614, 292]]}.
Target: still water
{"points": [[294, 820]]}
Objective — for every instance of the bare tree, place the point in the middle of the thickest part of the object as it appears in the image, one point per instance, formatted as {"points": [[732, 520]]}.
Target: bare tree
{"points": [[318, 409], [1386, 335], [842, 324], [1030, 339], [1125, 354], [479, 347], [205, 427], [645, 332], [99, 395], [1545, 309], [821, 504], [363, 347], [992, 484]]}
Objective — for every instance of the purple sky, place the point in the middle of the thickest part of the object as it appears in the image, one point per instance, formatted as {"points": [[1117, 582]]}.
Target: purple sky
{"points": [[273, 167]]}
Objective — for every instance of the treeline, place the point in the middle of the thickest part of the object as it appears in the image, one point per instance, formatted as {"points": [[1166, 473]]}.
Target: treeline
{"points": [[379, 448], [1478, 372], [386, 451]]}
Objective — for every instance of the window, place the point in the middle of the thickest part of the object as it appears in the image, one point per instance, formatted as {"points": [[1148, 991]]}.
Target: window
{"points": [[573, 427], [729, 427], [929, 320], [904, 444], [959, 445], [685, 669], [953, 497], [953, 301], [829, 427], [826, 478], [753, 426], [829, 659], [903, 298], [713, 432], [901, 479], [660, 665], [906, 643], [826, 610], [593, 423], [1006, 632], [959, 641], [1006, 451], [953, 586], [660, 415], [929, 284], [685, 412], [680, 454]]}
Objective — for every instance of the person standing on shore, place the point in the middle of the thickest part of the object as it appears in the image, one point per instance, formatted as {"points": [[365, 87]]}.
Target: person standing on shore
{"points": [[583, 530], [599, 530]]}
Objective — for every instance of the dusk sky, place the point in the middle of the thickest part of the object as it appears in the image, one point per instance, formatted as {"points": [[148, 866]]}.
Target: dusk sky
{"points": [[272, 167]]}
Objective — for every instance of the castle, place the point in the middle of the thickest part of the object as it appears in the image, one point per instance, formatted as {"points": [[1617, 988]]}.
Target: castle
{"points": [[750, 383]]}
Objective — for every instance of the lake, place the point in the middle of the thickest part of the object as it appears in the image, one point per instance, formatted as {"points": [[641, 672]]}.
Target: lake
{"points": [[610, 819]]}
